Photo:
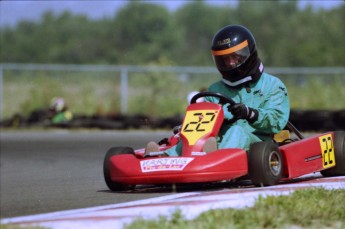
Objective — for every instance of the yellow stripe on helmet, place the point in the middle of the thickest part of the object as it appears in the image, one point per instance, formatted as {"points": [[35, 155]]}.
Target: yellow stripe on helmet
{"points": [[230, 50]]}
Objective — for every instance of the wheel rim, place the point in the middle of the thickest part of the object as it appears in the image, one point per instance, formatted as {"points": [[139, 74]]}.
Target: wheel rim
{"points": [[275, 163]]}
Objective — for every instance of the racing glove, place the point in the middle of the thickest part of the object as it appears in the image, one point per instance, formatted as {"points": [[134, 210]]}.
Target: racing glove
{"points": [[242, 111]]}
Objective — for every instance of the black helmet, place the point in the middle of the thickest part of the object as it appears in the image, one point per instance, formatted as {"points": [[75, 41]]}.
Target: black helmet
{"points": [[234, 52]]}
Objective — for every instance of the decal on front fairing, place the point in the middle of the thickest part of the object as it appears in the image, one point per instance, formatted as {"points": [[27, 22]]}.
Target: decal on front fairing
{"points": [[165, 164]]}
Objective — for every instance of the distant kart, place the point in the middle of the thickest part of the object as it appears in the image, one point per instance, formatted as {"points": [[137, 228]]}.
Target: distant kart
{"points": [[266, 163]]}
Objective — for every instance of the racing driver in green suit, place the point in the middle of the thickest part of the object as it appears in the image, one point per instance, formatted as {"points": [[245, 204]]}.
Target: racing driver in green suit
{"points": [[262, 104]]}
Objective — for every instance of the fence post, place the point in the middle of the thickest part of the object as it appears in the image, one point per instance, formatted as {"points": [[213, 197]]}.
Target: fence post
{"points": [[124, 90]]}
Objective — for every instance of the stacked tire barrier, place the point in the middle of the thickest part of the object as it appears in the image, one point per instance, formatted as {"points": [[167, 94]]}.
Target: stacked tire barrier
{"points": [[303, 120], [318, 120]]}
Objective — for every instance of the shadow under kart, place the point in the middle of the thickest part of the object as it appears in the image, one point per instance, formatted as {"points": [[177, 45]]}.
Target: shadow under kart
{"points": [[266, 163]]}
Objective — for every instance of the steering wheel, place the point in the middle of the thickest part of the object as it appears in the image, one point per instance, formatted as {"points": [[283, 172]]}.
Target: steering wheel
{"points": [[222, 101]]}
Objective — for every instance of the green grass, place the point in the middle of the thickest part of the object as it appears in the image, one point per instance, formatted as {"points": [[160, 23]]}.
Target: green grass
{"points": [[155, 93], [84, 93], [318, 93], [10, 226], [311, 208]]}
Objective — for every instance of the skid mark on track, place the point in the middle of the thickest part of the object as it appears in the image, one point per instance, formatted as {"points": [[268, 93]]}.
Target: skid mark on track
{"points": [[190, 204]]}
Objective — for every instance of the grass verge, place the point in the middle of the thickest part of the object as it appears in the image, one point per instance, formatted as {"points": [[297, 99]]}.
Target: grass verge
{"points": [[311, 208]]}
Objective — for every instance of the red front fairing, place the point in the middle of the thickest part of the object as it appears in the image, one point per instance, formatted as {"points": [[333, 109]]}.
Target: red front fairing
{"points": [[202, 120], [216, 166]]}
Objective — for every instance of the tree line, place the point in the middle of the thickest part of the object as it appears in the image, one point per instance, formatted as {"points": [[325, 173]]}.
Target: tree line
{"points": [[143, 33]]}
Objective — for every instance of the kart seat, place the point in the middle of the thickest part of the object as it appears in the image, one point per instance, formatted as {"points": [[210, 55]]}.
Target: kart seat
{"points": [[284, 136]]}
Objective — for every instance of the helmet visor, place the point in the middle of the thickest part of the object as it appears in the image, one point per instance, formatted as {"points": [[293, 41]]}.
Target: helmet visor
{"points": [[231, 58]]}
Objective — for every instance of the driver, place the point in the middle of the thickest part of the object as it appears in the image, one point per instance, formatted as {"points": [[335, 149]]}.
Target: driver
{"points": [[262, 104]]}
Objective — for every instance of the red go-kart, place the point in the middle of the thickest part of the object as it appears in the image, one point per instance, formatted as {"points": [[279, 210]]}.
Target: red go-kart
{"points": [[266, 163]]}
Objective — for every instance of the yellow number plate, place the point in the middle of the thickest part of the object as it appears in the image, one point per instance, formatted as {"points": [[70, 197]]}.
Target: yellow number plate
{"points": [[327, 149], [197, 123]]}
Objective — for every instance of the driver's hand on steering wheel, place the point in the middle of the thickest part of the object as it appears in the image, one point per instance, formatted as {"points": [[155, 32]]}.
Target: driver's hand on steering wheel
{"points": [[242, 111]]}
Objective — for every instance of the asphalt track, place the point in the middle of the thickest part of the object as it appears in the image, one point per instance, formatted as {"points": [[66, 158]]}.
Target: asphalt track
{"points": [[46, 171]]}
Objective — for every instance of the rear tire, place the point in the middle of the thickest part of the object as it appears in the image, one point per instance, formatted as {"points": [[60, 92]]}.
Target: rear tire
{"points": [[339, 152], [265, 164], [115, 186]]}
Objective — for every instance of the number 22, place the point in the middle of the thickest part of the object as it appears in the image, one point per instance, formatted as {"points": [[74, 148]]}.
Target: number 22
{"points": [[199, 122]]}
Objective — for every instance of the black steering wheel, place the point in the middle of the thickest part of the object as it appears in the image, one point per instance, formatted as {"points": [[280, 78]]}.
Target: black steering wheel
{"points": [[222, 101]]}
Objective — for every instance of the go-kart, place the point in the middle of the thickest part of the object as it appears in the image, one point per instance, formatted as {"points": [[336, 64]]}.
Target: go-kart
{"points": [[265, 163]]}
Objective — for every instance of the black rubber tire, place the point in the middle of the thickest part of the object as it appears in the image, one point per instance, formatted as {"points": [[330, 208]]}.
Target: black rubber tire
{"points": [[115, 186], [339, 151], [265, 164]]}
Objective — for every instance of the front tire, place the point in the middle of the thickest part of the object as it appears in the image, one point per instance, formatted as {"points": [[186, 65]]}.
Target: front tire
{"points": [[115, 186], [339, 153], [265, 164]]}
